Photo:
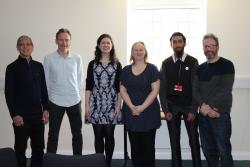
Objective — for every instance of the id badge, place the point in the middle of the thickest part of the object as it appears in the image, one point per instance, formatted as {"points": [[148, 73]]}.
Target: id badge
{"points": [[178, 88]]}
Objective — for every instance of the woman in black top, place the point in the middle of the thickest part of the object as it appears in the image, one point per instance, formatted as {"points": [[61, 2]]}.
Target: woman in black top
{"points": [[102, 97], [139, 88]]}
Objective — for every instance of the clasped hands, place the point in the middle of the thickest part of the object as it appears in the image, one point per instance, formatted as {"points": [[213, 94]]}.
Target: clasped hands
{"points": [[206, 110], [137, 110]]}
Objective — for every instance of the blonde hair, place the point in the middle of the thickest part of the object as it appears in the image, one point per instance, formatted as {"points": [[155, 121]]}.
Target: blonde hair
{"points": [[131, 60]]}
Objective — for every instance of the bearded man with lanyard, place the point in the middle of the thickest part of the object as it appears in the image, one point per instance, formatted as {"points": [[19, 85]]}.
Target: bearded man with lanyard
{"points": [[176, 99]]}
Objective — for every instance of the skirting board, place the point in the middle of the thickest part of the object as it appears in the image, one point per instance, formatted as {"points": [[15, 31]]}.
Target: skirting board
{"points": [[186, 155]]}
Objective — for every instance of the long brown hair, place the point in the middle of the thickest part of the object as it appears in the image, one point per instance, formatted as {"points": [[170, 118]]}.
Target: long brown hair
{"points": [[98, 52]]}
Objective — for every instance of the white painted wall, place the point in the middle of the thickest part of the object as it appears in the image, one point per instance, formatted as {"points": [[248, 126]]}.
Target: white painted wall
{"points": [[230, 21], [87, 20]]}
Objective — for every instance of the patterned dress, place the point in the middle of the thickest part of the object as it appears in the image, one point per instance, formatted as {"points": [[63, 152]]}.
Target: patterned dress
{"points": [[103, 81]]}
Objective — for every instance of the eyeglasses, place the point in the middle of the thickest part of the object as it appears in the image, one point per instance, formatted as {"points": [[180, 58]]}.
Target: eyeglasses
{"points": [[210, 46]]}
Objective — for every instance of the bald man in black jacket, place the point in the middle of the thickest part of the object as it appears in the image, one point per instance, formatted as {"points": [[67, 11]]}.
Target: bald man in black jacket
{"points": [[27, 99]]}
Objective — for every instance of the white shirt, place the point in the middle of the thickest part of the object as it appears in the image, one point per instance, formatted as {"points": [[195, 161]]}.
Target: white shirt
{"points": [[182, 58], [64, 78]]}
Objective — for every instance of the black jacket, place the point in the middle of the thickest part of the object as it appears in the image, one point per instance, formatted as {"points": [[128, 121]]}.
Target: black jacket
{"points": [[25, 88]]}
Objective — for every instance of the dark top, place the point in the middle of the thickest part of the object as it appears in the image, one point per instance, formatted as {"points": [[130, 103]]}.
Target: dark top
{"points": [[213, 84], [177, 73], [103, 82], [138, 88], [25, 88]]}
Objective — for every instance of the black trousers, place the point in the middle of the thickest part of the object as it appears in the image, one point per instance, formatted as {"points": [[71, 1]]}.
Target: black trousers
{"points": [[174, 128], [33, 129], [142, 148], [56, 114]]}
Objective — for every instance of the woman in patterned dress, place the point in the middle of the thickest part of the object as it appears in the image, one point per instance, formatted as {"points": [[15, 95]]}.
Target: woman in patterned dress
{"points": [[102, 97]]}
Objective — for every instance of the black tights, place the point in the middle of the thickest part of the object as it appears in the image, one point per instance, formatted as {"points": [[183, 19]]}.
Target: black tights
{"points": [[104, 132]]}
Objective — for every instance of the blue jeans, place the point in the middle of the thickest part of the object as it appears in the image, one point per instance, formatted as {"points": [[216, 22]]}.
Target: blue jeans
{"points": [[215, 134], [56, 114]]}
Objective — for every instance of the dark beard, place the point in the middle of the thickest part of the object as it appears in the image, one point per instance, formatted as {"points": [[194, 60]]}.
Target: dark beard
{"points": [[179, 53]]}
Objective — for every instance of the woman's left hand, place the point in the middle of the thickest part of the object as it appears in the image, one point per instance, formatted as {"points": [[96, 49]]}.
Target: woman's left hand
{"points": [[117, 110]]}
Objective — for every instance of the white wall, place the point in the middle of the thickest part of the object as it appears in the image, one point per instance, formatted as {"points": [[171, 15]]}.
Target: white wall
{"points": [[230, 21], [87, 20]]}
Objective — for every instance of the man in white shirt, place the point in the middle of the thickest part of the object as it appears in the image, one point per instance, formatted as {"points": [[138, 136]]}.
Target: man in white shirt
{"points": [[64, 78]]}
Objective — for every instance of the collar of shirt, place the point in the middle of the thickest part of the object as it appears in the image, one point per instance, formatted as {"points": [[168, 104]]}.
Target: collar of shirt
{"points": [[68, 55], [182, 58], [24, 59]]}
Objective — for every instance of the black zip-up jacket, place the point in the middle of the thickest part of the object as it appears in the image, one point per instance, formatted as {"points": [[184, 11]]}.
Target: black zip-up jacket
{"points": [[25, 88]]}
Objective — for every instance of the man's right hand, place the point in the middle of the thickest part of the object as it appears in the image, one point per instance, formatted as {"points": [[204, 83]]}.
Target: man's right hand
{"points": [[204, 109], [168, 116], [18, 120], [213, 113]]}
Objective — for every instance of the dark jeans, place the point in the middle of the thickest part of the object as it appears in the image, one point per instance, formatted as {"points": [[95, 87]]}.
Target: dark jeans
{"points": [[104, 132], [215, 134], [174, 128], [33, 129], [142, 148], [56, 114]]}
